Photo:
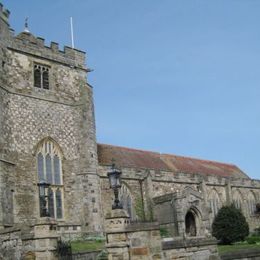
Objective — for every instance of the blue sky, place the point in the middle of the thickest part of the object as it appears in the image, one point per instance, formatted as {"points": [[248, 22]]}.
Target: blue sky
{"points": [[173, 76]]}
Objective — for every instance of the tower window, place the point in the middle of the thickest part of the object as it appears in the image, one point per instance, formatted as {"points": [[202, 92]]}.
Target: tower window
{"points": [[49, 168], [41, 76]]}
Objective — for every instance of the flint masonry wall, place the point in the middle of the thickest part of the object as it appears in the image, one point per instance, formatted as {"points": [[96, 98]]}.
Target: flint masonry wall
{"points": [[64, 112]]}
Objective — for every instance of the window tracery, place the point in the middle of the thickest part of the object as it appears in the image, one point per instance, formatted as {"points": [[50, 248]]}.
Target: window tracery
{"points": [[237, 200], [214, 203], [49, 168], [251, 203], [41, 76], [126, 200]]}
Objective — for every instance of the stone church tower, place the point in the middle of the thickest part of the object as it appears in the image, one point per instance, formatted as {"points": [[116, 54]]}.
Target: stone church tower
{"points": [[47, 134]]}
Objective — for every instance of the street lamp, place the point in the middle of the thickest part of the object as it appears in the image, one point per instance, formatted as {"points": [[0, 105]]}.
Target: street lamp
{"points": [[43, 190], [114, 176]]}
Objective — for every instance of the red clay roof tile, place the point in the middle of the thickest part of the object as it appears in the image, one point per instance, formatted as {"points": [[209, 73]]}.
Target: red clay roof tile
{"points": [[133, 158]]}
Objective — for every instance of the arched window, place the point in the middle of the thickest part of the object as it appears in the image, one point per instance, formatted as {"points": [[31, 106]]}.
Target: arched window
{"points": [[237, 199], [37, 77], [251, 203], [126, 200], [214, 203], [45, 78], [49, 168], [41, 76]]}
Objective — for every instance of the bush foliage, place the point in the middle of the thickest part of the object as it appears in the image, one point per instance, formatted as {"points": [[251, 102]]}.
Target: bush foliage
{"points": [[230, 225]]}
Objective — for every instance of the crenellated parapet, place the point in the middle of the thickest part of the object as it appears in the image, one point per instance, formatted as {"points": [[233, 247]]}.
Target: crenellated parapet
{"points": [[25, 42], [5, 30], [182, 178], [28, 44], [4, 13]]}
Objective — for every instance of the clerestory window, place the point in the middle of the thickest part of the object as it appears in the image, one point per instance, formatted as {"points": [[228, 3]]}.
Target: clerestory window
{"points": [[41, 76], [49, 167]]}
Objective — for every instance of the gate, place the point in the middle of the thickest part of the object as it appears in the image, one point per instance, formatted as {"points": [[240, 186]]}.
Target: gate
{"points": [[64, 251]]}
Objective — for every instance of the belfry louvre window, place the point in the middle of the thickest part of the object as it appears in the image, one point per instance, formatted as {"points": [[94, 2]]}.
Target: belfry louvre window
{"points": [[49, 168], [41, 76]]}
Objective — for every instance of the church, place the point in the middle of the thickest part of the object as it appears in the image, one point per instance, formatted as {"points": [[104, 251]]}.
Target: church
{"points": [[51, 164]]}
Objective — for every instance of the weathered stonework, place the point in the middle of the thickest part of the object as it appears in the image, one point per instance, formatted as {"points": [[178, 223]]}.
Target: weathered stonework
{"points": [[153, 187], [155, 184], [64, 113]]}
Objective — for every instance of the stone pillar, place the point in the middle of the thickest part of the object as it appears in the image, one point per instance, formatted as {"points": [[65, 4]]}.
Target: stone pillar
{"points": [[45, 240], [203, 190], [147, 195], [117, 243], [228, 193]]}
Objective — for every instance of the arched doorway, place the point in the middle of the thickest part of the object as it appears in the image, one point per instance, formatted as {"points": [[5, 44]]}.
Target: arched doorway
{"points": [[190, 224]]}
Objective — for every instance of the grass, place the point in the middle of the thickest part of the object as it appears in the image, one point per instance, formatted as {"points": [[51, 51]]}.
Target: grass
{"points": [[84, 246], [236, 247]]}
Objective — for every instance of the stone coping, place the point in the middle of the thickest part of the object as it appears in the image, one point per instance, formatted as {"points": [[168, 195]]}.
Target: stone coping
{"points": [[137, 227], [117, 245], [87, 252], [188, 242], [142, 226], [40, 238], [117, 213], [9, 230], [241, 254]]}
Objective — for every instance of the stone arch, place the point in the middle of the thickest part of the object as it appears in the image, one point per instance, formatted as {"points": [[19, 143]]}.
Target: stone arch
{"points": [[214, 202], [51, 140], [192, 222], [126, 198], [237, 199], [251, 203]]}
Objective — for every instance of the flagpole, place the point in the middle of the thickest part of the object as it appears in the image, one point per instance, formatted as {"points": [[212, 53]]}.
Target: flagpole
{"points": [[71, 31]]}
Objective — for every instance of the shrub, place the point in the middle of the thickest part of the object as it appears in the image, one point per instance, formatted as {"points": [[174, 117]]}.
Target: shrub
{"points": [[257, 231], [230, 225], [253, 239], [164, 232]]}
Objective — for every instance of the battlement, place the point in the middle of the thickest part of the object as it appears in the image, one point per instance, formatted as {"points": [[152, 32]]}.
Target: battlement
{"points": [[27, 43], [4, 13], [54, 46]]}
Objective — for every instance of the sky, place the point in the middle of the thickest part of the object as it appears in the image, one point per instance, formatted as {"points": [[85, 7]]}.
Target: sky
{"points": [[172, 76]]}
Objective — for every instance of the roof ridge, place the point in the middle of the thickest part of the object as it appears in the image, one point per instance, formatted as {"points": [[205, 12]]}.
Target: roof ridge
{"points": [[199, 159]]}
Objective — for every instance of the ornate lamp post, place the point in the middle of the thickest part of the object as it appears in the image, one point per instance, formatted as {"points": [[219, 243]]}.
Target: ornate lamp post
{"points": [[43, 191], [114, 176]]}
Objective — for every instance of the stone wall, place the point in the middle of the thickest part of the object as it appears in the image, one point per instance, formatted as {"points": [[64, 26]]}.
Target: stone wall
{"points": [[195, 249], [27, 242], [147, 184], [86, 255], [127, 240], [245, 254], [11, 244]]}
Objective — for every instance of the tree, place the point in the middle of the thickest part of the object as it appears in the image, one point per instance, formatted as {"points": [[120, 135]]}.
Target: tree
{"points": [[230, 225]]}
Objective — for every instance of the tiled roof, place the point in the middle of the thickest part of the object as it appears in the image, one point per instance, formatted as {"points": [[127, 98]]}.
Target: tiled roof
{"points": [[133, 158]]}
